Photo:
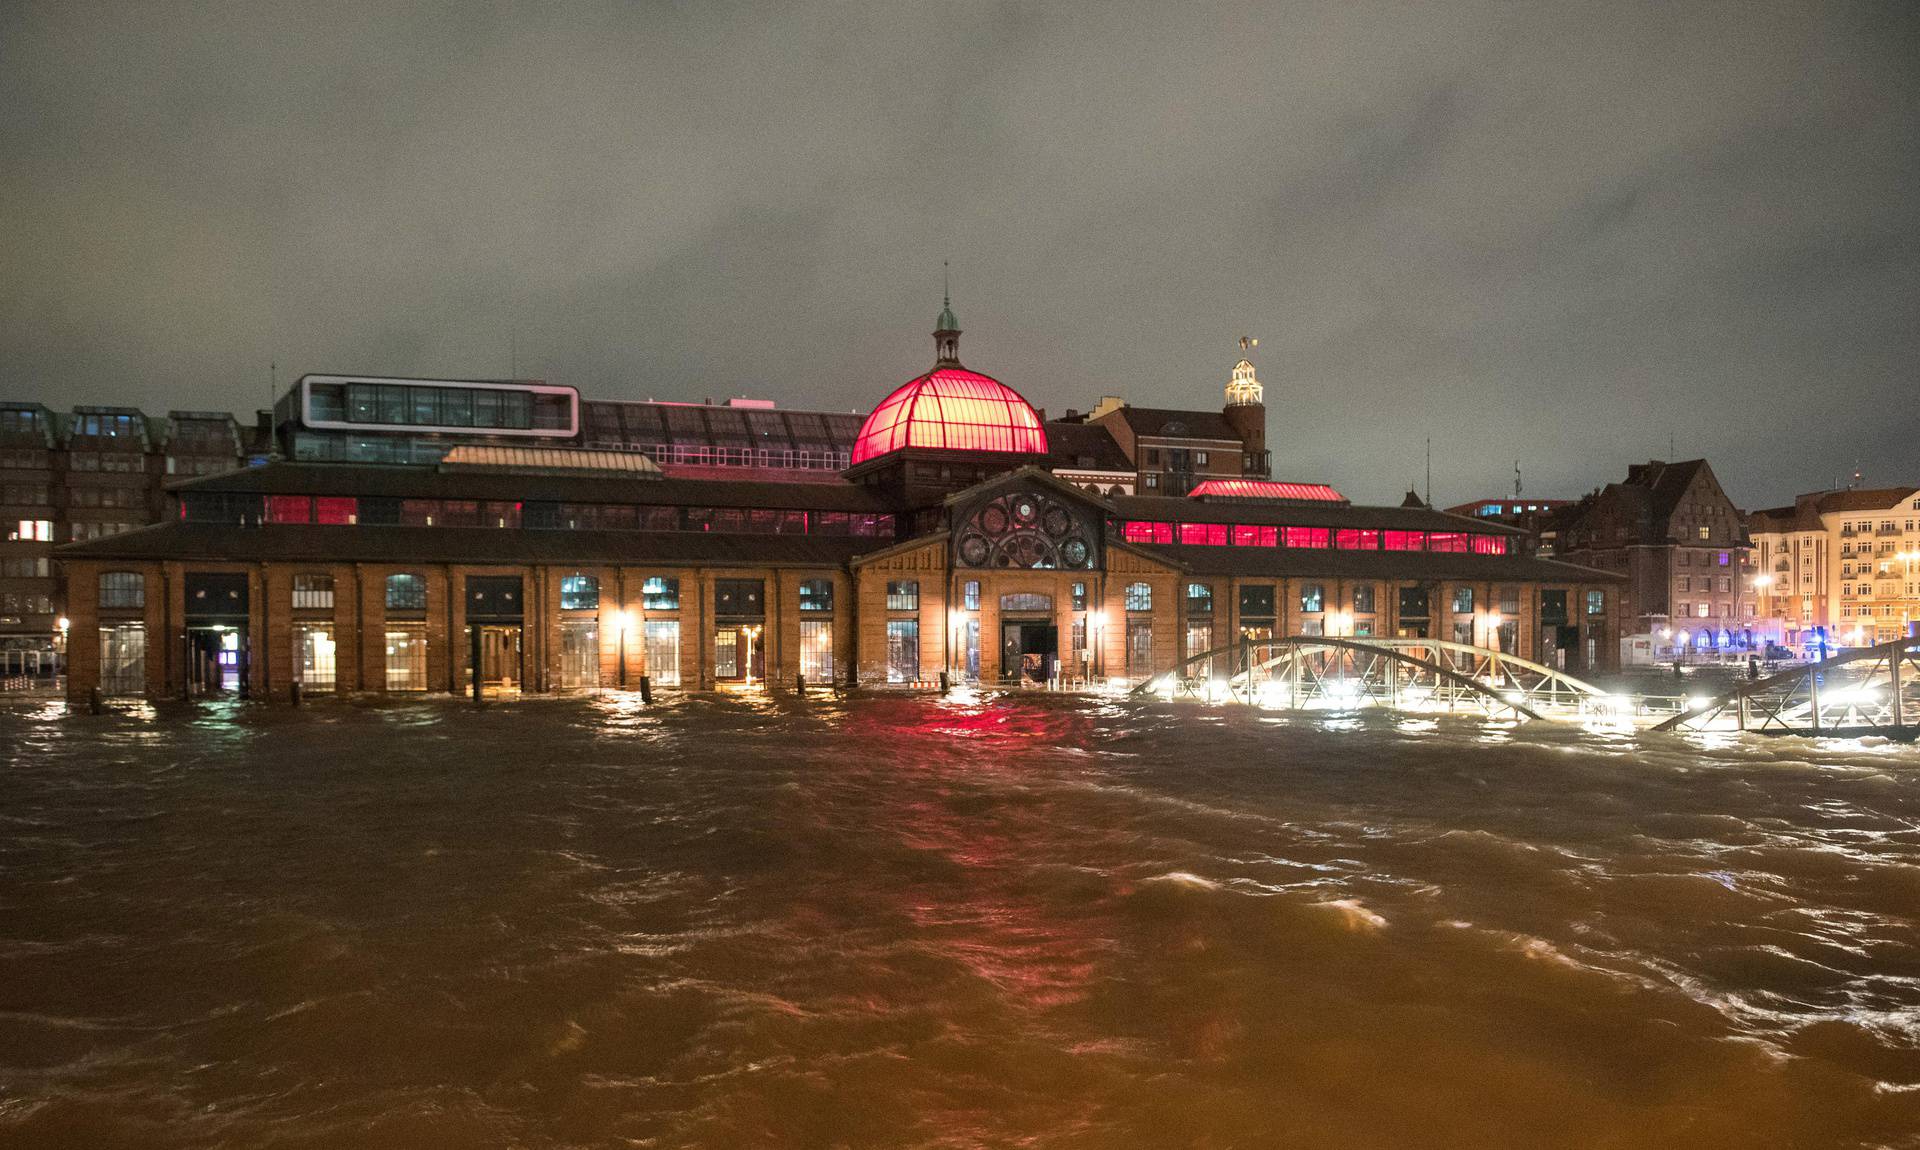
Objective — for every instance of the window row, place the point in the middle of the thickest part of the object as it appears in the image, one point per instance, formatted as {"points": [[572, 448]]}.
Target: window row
{"points": [[340, 510], [403, 404], [1312, 538]]}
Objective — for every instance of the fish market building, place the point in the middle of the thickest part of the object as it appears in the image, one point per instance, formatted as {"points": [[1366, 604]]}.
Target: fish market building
{"points": [[947, 548]]}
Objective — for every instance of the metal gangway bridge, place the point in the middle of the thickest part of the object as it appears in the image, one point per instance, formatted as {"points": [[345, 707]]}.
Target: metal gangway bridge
{"points": [[1865, 691]]}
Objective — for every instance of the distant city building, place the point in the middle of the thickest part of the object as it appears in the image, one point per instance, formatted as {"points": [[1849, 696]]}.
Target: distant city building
{"points": [[1682, 546], [1509, 511], [1169, 451], [91, 473], [1542, 519], [1840, 568]]}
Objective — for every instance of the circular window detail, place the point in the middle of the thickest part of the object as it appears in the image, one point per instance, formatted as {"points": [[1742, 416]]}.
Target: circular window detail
{"points": [[1026, 530], [1027, 550]]}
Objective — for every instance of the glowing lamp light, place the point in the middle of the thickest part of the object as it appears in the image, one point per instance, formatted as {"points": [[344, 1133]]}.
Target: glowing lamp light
{"points": [[1096, 619], [63, 624], [1341, 623]]}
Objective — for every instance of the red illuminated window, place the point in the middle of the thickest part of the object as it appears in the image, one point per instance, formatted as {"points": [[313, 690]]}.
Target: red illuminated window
{"points": [[1145, 531], [1309, 537], [1489, 545], [1447, 541], [1356, 539], [336, 509], [1246, 535], [951, 409], [1204, 534], [1404, 540], [289, 509]]}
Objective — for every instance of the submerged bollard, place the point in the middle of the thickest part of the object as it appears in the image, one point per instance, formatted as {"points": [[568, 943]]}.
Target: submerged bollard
{"points": [[946, 684], [799, 684], [293, 693], [96, 703], [646, 688]]}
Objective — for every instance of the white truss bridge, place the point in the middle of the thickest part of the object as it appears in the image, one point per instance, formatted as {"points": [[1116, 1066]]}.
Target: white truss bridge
{"points": [[1868, 691]]}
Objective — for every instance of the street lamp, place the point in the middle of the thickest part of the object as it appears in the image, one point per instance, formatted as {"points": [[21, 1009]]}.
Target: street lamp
{"points": [[1906, 615], [622, 620], [1762, 587], [956, 622], [752, 632], [1340, 623], [1493, 630], [1096, 623]]}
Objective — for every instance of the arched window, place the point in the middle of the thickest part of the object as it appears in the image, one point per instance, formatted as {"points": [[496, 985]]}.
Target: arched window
{"points": [[406, 593], [579, 593], [1139, 597], [1026, 601]]}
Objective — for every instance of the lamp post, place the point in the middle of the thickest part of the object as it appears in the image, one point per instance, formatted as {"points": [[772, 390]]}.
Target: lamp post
{"points": [[1763, 590], [1096, 623], [622, 620], [752, 632], [956, 624], [1906, 598]]}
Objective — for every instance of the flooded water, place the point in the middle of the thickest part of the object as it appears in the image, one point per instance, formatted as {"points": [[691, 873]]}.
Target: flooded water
{"points": [[897, 922]]}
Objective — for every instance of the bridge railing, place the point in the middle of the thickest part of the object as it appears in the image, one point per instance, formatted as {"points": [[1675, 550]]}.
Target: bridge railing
{"points": [[1342, 672], [1866, 690]]}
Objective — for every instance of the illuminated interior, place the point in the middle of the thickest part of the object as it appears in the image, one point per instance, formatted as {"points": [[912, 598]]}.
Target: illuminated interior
{"points": [[951, 409], [1265, 489]]}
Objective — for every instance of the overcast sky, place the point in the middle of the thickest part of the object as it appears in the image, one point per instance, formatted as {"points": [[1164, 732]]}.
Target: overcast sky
{"points": [[1563, 234]]}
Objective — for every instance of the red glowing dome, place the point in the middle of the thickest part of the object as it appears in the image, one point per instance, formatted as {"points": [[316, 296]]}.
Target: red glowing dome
{"points": [[952, 409]]}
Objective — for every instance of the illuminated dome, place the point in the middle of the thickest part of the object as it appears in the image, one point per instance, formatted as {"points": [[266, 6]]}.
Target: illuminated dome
{"points": [[952, 409]]}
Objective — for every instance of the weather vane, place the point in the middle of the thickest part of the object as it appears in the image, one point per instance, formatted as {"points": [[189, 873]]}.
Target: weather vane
{"points": [[1248, 343]]}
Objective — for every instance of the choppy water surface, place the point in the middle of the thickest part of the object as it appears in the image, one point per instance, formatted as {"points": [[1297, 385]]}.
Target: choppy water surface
{"points": [[900, 922]]}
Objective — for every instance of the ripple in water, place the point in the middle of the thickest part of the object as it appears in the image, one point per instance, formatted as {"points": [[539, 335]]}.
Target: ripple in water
{"points": [[990, 922]]}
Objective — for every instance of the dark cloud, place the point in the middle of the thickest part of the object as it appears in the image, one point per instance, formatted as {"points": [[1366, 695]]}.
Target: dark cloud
{"points": [[1563, 234]]}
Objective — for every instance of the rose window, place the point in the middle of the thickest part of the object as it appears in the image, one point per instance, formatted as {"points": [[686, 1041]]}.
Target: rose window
{"points": [[1026, 530]]}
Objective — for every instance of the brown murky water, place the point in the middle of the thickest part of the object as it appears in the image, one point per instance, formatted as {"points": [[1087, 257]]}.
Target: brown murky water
{"points": [[902, 923]]}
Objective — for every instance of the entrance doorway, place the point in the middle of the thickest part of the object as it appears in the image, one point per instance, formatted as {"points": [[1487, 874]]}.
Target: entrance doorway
{"points": [[739, 653], [217, 659], [217, 648], [1029, 649], [500, 665]]}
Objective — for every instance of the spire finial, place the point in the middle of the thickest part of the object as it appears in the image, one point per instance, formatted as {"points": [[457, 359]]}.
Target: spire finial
{"points": [[946, 329]]}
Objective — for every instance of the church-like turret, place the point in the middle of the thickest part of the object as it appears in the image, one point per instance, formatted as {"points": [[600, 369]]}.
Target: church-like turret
{"points": [[1246, 411]]}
